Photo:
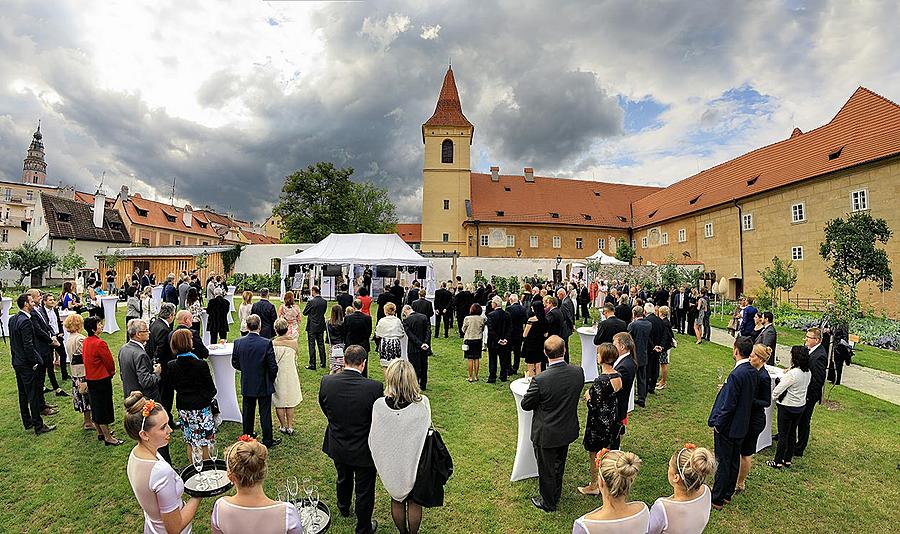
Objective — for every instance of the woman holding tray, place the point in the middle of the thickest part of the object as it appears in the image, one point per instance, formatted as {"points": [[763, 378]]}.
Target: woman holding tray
{"points": [[156, 485]]}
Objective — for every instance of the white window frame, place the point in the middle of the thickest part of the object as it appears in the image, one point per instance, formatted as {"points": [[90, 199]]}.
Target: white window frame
{"points": [[579, 243], [484, 240], [4, 236], [29, 195], [533, 241], [682, 235], [747, 222], [643, 242], [634, 244], [557, 242], [802, 212], [862, 199], [708, 230], [8, 194], [664, 238], [797, 253], [601, 243], [510, 241]]}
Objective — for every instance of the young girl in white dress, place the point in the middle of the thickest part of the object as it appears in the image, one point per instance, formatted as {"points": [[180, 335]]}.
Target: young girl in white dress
{"points": [[616, 473]]}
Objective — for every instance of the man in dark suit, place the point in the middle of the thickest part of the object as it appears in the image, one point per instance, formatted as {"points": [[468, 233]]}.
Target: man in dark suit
{"points": [[554, 396], [640, 330], [442, 310], [50, 315], [169, 293], [747, 317], [498, 327], [145, 279], [462, 302], [254, 357], [609, 326], [418, 339], [681, 309], [567, 306], [518, 316], [556, 320], [28, 365], [159, 351], [661, 297], [266, 312], [584, 299], [44, 342], [183, 321], [626, 366], [344, 298], [657, 340], [397, 291], [315, 327], [730, 420], [818, 363], [413, 294], [423, 305], [346, 399], [623, 310], [358, 329], [768, 336]]}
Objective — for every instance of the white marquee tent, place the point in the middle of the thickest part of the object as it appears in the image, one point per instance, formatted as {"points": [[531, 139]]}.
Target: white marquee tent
{"points": [[605, 260], [361, 249]]}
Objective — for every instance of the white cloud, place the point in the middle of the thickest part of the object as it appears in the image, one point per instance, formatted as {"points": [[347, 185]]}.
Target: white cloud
{"points": [[429, 33], [384, 31]]}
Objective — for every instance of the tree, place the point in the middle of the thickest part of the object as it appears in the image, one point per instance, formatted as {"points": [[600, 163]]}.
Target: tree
{"points": [[201, 260], [668, 273], [624, 252], [111, 259], [321, 199], [851, 251], [27, 257], [781, 276], [72, 261]]}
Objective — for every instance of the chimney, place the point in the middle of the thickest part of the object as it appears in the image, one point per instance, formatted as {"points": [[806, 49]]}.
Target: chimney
{"points": [[529, 175], [495, 174], [99, 209], [123, 193], [187, 217]]}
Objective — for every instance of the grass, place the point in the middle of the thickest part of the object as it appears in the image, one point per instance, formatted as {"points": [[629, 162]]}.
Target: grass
{"points": [[66, 482], [863, 355]]}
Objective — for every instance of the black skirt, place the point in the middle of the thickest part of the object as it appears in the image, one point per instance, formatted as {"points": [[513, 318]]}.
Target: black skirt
{"points": [[101, 391], [474, 349]]}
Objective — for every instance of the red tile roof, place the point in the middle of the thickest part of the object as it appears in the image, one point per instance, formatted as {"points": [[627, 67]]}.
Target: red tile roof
{"points": [[156, 217], [866, 128], [410, 232], [579, 202], [259, 239], [448, 111]]}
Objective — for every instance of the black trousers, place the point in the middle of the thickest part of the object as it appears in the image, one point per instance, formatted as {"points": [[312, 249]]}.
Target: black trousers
{"points": [[419, 362], [551, 463], [63, 359], [787, 433], [515, 348], [706, 327], [728, 456], [566, 357], [365, 493], [459, 321], [166, 397], [312, 340], [437, 323], [30, 384], [494, 354], [803, 427], [265, 416], [585, 313], [47, 371], [641, 383], [680, 315], [652, 370], [616, 442]]}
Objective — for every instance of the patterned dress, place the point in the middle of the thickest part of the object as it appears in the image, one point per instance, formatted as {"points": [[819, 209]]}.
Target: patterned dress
{"points": [[291, 314], [601, 426]]}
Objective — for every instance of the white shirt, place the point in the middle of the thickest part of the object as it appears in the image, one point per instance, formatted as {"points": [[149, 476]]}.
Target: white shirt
{"points": [[795, 382], [51, 315], [745, 360], [136, 342], [620, 358], [814, 348]]}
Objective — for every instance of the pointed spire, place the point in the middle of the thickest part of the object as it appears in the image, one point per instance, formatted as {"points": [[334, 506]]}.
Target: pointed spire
{"points": [[448, 111], [37, 133]]}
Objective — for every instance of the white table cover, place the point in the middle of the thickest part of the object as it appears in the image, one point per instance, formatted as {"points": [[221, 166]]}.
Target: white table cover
{"points": [[525, 464], [765, 437], [230, 297], [204, 333], [5, 305], [62, 317], [110, 326], [588, 353], [223, 376], [155, 297]]}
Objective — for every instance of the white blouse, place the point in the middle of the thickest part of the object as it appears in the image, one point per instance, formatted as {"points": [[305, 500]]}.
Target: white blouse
{"points": [[229, 518], [668, 516], [396, 439], [390, 326], [158, 489], [635, 524], [243, 313], [795, 382]]}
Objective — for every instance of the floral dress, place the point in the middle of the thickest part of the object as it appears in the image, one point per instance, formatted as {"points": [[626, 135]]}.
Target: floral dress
{"points": [[601, 426], [291, 314]]}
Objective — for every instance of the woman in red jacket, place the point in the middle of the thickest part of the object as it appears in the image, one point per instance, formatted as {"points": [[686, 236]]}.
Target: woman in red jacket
{"points": [[99, 368]]}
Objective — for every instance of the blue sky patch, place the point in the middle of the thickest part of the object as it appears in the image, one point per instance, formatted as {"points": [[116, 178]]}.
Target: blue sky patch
{"points": [[641, 114]]}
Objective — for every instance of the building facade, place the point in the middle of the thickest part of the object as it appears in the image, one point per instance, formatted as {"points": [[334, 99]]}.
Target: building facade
{"points": [[18, 199]]}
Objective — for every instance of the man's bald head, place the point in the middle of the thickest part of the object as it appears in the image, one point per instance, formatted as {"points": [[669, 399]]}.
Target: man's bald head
{"points": [[183, 317], [554, 348]]}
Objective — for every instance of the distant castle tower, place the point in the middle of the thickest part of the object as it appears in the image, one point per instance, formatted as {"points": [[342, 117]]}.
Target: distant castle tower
{"points": [[35, 168]]}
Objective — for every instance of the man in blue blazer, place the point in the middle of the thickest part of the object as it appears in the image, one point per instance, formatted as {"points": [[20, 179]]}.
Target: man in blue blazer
{"points": [[254, 357], [747, 316], [730, 420]]}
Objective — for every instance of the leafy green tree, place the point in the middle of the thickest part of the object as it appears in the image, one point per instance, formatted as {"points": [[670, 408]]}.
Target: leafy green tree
{"points": [[780, 276], [322, 199], [851, 251], [668, 273], [624, 252], [201, 260], [112, 259], [72, 261], [27, 257]]}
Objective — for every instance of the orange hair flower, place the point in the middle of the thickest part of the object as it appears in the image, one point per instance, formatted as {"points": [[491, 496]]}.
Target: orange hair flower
{"points": [[690, 446], [246, 438], [149, 406], [600, 456]]}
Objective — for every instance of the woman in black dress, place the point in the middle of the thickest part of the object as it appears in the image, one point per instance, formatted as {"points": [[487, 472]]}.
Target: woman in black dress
{"points": [[602, 425], [534, 335]]}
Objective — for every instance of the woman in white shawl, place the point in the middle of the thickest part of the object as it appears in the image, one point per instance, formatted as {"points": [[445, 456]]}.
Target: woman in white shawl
{"points": [[400, 422], [392, 335]]}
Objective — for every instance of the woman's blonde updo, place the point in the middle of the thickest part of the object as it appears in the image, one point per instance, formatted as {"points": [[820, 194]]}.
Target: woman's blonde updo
{"points": [[247, 462], [694, 465], [762, 352], [134, 414], [618, 469]]}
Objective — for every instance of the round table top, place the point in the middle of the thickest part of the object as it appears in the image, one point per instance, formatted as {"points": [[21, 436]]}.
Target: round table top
{"points": [[587, 331], [220, 349], [109, 297], [519, 386]]}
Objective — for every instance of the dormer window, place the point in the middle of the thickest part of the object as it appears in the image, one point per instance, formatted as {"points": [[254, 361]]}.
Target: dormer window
{"points": [[835, 154], [170, 218], [652, 213], [753, 180], [142, 212], [622, 219], [63, 217], [499, 213], [115, 226], [587, 216], [554, 215], [695, 199], [202, 225]]}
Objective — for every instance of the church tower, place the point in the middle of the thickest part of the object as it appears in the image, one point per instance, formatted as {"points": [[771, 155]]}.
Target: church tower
{"points": [[446, 175], [35, 168]]}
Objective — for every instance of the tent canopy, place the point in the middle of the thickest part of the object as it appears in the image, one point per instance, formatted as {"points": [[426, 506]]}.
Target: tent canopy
{"points": [[358, 249], [606, 260]]}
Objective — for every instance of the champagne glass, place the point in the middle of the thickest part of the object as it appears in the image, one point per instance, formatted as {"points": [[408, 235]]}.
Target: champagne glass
{"points": [[213, 455], [314, 506], [720, 373], [292, 488], [282, 497], [197, 461], [307, 489]]}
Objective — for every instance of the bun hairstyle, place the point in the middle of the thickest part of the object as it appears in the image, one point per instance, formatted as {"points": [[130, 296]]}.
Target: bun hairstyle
{"points": [[618, 469], [246, 460], [762, 352], [134, 413], [694, 465]]}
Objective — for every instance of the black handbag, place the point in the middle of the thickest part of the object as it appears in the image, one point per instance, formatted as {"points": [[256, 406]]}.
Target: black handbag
{"points": [[435, 468]]}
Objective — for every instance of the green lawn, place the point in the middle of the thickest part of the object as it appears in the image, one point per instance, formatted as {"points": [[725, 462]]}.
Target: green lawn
{"points": [[67, 482], [864, 355]]}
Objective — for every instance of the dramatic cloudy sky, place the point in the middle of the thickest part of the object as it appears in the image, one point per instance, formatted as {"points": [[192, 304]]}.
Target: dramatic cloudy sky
{"points": [[229, 97]]}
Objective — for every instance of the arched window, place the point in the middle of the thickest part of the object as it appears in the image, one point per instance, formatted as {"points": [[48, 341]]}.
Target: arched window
{"points": [[447, 151]]}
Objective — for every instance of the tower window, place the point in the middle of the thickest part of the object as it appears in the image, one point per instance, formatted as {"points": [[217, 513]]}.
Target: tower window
{"points": [[446, 204], [445, 238], [447, 151]]}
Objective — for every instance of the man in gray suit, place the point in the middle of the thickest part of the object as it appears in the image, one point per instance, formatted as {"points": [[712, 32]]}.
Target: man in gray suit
{"points": [[137, 373], [554, 396], [315, 327], [567, 306], [640, 330], [183, 289], [768, 336]]}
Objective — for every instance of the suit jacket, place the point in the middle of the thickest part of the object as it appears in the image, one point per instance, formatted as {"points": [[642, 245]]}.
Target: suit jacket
{"points": [[556, 323], [568, 310], [763, 398], [442, 300], [627, 368], [315, 310], [346, 399], [21, 342], [423, 306], [397, 291], [217, 309], [623, 312], [137, 371], [254, 357], [554, 396], [768, 337], [584, 296], [641, 330], [52, 316], [346, 299], [412, 295], [498, 327], [170, 294], [157, 347], [517, 318], [747, 322], [658, 335], [145, 281], [199, 350], [358, 330], [267, 316], [661, 298], [463, 302], [183, 289], [42, 335], [418, 332], [818, 362], [609, 328], [732, 410]]}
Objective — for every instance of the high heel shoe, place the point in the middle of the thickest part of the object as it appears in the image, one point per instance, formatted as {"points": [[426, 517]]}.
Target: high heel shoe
{"points": [[113, 443]]}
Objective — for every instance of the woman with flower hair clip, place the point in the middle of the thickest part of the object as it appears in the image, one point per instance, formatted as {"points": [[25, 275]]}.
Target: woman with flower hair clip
{"points": [[250, 510], [686, 511], [156, 485], [616, 473]]}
